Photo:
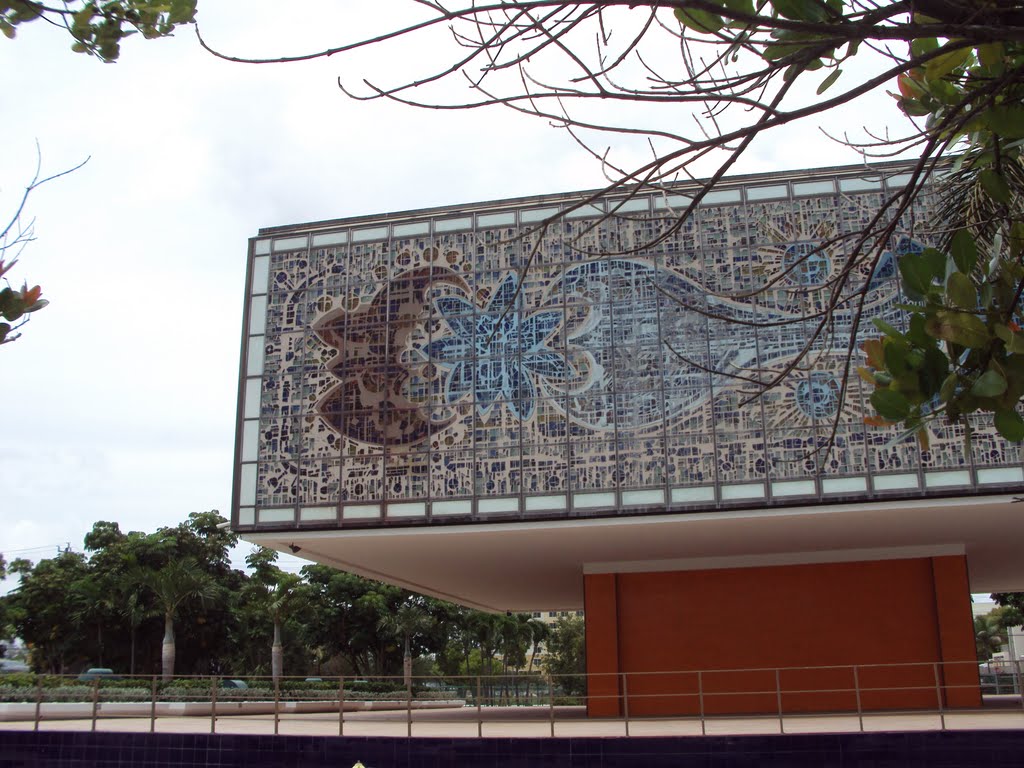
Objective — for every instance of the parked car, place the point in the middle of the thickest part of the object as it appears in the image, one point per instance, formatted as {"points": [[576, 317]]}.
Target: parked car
{"points": [[98, 673], [229, 683]]}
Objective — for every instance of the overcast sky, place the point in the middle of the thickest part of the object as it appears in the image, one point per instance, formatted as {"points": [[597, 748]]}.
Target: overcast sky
{"points": [[118, 403]]}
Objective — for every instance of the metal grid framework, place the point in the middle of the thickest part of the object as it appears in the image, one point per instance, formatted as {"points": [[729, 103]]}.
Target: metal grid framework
{"points": [[405, 369]]}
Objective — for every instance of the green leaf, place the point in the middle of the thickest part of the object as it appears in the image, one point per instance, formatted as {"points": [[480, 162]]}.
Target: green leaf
{"points": [[699, 20], [890, 405], [989, 384], [964, 251], [741, 6], [829, 81], [1014, 341], [916, 277], [945, 63], [923, 45], [961, 292], [1006, 121], [1010, 425], [896, 358], [936, 263], [995, 185], [958, 328], [948, 388], [802, 10], [887, 329]]}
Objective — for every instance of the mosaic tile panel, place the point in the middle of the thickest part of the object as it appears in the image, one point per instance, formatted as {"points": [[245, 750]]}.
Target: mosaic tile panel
{"points": [[435, 366]]}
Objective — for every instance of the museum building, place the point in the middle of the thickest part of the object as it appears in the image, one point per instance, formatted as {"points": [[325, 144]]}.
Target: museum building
{"points": [[559, 403]]}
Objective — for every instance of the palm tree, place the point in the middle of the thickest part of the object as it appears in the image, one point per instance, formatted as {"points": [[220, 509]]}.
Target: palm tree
{"points": [[407, 622], [176, 583], [539, 632], [280, 602]]}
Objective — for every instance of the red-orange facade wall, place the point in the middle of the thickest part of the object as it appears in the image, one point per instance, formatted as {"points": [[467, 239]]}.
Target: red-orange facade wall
{"points": [[682, 642]]}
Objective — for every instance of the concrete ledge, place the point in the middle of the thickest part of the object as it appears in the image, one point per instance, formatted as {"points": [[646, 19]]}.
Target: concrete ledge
{"points": [[83, 710]]}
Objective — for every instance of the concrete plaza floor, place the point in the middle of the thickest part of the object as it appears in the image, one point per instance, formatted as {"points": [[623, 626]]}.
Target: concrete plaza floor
{"points": [[567, 722]]}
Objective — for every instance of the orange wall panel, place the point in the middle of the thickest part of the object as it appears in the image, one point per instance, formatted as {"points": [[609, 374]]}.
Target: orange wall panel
{"points": [[736, 626]]}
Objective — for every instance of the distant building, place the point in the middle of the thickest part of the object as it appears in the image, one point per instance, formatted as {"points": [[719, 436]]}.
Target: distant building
{"points": [[472, 404]]}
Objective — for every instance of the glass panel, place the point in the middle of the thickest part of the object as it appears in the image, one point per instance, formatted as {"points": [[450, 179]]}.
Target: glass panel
{"points": [[257, 315], [485, 506], [591, 500], [260, 274], [538, 503], [247, 486], [767, 193], [247, 516], [684, 495], [635, 204], [721, 196], [814, 187], [859, 185], [291, 243], [743, 491], [261, 247], [1003, 475], [370, 233], [415, 228], [253, 388], [638, 498], [309, 514], [844, 485], [418, 509], [450, 225], [537, 214], [331, 238], [899, 180], [462, 507], [254, 362], [361, 512], [250, 440], [943, 479], [276, 516], [496, 219], [587, 210], [794, 488], [893, 482], [672, 201]]}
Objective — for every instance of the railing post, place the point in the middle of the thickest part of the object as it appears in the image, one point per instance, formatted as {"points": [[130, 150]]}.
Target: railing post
{"points": [[479, 711], [625, 702], [551, 704], [1020, 682], [39, 701], [341, 705], [778, 700], [95, 699], [408, 709], [700, 702], [213, 704], [277, 704], [152, 706], [938, 697], [856, 693]]}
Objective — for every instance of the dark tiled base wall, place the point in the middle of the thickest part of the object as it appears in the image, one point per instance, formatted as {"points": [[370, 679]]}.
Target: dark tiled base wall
{"points": [[959, 749]]}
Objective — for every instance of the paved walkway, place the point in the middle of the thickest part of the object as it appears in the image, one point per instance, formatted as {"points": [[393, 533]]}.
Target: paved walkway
{"points": [[505, 722]]}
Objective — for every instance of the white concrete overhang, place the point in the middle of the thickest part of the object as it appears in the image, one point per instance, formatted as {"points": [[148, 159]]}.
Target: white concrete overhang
{"points": [[540, 565]]}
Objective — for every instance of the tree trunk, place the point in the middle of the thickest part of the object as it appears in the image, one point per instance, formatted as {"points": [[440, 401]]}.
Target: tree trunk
{"points": [[167, 651], [276, 653], [407, 668]]}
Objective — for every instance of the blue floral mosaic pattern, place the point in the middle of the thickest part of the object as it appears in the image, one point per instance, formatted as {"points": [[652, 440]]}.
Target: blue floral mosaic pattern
{"points": [[494, 353]]}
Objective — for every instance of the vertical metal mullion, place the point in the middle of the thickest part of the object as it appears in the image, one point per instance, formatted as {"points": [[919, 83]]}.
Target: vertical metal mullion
{"points": [[699, 213]]}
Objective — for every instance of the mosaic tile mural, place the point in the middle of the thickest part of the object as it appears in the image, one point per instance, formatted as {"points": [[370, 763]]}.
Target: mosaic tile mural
{"points": [[419, 367]]}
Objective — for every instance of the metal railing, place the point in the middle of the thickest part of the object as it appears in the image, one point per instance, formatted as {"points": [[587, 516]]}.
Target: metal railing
{"points": [[689, 699]]}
